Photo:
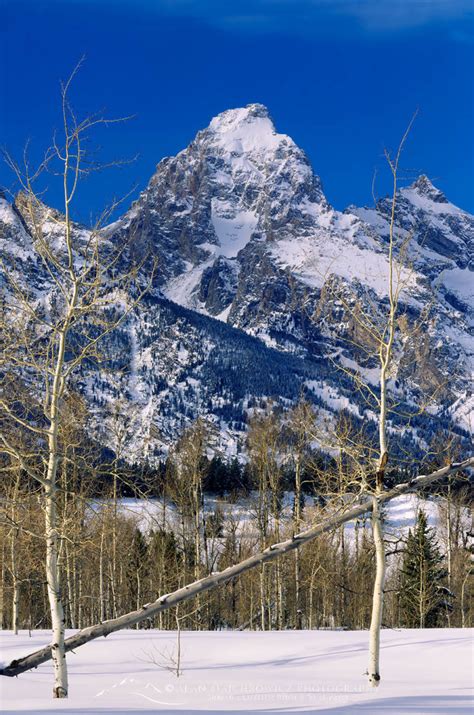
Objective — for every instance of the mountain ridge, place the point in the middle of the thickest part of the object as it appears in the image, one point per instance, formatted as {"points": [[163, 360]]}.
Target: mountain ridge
{"points": [[244, 235]]}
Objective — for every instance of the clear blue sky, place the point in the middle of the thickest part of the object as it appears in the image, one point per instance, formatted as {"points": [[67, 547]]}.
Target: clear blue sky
{"points": [[342, 77]]}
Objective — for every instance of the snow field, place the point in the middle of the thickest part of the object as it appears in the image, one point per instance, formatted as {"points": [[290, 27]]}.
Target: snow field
{"points": [[149, 515], [424, 672]]}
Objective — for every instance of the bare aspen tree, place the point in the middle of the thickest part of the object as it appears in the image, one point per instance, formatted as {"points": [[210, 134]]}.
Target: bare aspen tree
{"points": [[3, 571], [375, 336], [263, 446], [117, 430], [47, 344], [13, 555], [187, 492], [385, 355], [11, 525], [300, 425]]}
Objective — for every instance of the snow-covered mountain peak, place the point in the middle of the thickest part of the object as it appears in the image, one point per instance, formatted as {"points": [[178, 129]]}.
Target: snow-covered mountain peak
{"points": [[239, 182], [246, 129], [241, 115]]}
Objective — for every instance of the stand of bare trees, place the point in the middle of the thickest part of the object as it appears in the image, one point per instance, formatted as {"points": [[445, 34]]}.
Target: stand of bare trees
{"points": [[147, 612]]}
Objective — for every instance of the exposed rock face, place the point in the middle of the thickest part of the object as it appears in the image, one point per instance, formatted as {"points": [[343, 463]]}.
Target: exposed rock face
{"points": [[243, 233], [218, 285]]}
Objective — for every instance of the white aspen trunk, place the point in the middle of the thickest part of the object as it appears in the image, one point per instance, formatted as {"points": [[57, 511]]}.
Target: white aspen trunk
{"points": [[58, 653], [262, 525], [251, 606], [378, 595], [278, 578], [15, 588], [112, 588], [13, 563], [463, 592], [297, 609], [162, 569], [262, 597], [139, 594], [121, 583], [15, 604], [70, 588], [113, 570], [178, 642], [197, 540], [77, 591], [80, 606], [60, 687], [314, 572], [269, 606], [377, 530], [163, 603], [279, 594], [449, 545], [13, 560], [343, 576], [2, 589], [101, 577]]}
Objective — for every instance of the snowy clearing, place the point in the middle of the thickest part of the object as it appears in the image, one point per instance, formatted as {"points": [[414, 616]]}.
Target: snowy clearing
{"points": [[424, 672], [150, 514]]}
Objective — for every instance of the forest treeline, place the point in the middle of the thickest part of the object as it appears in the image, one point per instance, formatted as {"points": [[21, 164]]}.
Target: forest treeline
{"points": [[199, 512]]}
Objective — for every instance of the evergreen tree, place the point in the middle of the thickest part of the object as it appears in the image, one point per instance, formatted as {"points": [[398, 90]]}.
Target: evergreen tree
{"points": [[136, 566], [424, 600]]}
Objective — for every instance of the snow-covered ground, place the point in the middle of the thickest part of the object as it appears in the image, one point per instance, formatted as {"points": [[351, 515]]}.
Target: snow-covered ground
{"points": [[401, 513], [425, 672]]}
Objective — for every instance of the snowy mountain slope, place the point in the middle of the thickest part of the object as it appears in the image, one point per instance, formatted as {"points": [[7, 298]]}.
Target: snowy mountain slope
{"points": [[440, 244], [169, 365], [441, 238], [247, 245], [255, 243]]}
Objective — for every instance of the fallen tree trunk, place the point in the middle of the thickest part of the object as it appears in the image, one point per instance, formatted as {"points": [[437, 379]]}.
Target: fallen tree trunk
{"points": [[16, 667]]}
